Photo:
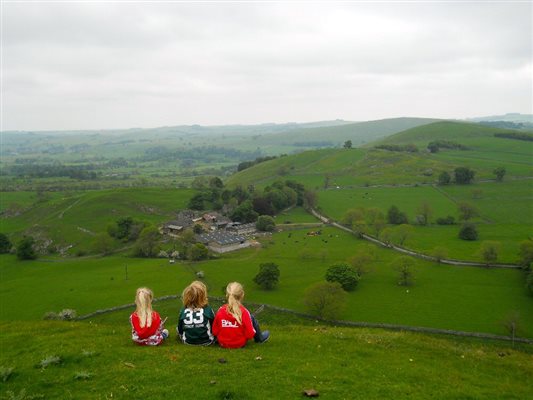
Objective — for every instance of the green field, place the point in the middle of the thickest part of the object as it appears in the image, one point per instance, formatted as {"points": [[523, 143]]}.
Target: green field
{"points": [[470, 299], [505, 209]]}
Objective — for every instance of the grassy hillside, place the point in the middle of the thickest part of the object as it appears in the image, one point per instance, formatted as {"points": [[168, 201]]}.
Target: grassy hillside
{"points": [[98, 360], [74, 218]]}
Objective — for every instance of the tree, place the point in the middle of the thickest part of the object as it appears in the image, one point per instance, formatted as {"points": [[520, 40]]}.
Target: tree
{"points": [[395, 216], [196, 202], [529, 282], [5, 244], [268, 276], [343, 274], [466, 211], [348, 144], [326, 300], [444, 178], [424, 211], [361, 260], [123, 227], [262, 206], [216, 183], [463, 175], [440, 253], [512, 324], [25, 249], [526, 254], [489, 251], [198, 229], [402, 232], [198, 252], [468, 232], [500, 173], [265, 223], [386, 236], [187, 236], [375, 218], [404, 266], [103, 244], [309, 199], [244, 213], [148, 243]]}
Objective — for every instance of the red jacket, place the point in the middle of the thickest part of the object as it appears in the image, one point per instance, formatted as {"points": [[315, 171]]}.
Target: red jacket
{"points": [[229, 332], [147, 331]]}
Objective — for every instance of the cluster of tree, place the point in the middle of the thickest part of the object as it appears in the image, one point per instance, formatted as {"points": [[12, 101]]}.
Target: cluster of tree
{"points": [[462, 176], [125, 229], [247, 164], [409, 148], [516, 135], [246, 205], [449, 220], [436, 145], [55, 170]]}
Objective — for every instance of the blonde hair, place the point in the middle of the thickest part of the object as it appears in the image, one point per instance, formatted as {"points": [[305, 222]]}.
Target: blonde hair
{"points": [[143, 300], [195, 295], [234, 295]]}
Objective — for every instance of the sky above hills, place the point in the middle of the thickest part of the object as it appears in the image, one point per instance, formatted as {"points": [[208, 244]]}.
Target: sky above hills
{"points": [[92, 65]]}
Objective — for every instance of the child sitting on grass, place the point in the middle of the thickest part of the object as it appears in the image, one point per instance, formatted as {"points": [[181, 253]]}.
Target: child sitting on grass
{"points": [[146, 325], [196, 316], [234, 325]]}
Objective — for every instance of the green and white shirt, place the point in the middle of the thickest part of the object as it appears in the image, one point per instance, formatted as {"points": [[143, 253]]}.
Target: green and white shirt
{"points": [[194, 326]]}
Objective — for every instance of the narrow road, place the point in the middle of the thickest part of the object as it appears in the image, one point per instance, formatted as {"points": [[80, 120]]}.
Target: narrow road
{"points": [[411, 252]]}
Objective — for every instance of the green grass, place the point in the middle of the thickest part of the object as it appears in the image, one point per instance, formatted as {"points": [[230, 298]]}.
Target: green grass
{"points": [[470, 299], [98, 360], [505, 209]]}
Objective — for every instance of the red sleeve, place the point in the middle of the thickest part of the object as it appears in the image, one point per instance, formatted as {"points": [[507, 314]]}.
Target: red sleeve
{"points": [[249, 331]]}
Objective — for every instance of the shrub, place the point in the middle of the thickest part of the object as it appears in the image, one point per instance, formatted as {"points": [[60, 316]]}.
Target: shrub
{"points": [[265, 223], [5, 244], [468, 232], [25, 249], [343, 274], [489, 251], [198, 252], [326, 300], [449, 220], [444, 178], [268, 276], [395, 216], [526, 254], [463, 175]]}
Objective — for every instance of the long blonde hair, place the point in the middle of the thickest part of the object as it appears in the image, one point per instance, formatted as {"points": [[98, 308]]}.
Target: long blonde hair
{"points": [[234, 295], [143, 300], [195, 295]]}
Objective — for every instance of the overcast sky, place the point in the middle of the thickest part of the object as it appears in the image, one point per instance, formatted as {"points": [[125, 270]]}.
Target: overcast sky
{"points": [[93, 65]]}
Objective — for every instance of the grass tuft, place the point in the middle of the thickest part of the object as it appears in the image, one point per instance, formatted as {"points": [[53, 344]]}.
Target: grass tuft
{"points": [[5, 373], [82, 376], [50, 360]]}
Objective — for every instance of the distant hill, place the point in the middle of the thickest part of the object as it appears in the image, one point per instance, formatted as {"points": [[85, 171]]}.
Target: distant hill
{"points": [[442, 130], [509, 117], [334, 136]]}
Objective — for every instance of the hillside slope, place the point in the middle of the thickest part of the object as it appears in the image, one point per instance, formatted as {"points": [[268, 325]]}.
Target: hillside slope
{"points": [[358, 133], [98, 360]]}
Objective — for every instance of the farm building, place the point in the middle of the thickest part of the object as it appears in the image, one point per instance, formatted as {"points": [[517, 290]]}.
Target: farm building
{"points": [[242, 229], [222, 242], [185, 219]]}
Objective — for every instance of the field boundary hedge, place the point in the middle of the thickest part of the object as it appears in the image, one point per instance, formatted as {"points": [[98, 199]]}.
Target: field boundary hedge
{"points": [[359, 324]]}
